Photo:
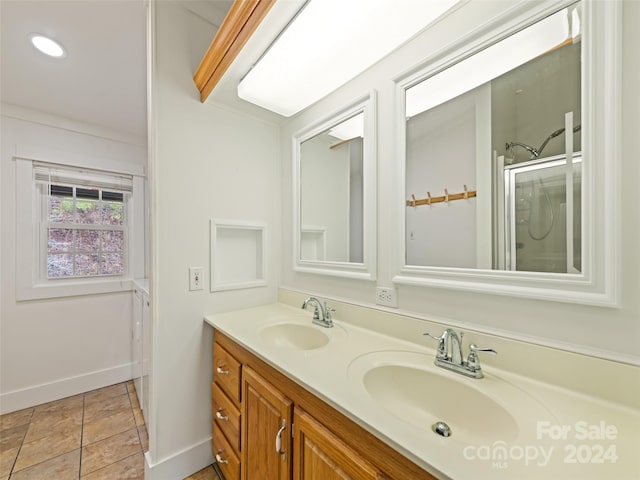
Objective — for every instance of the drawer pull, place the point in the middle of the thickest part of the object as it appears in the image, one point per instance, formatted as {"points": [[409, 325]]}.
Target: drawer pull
{"points": [[279, 438], [219, 459], [222, 371], [220, 416]]}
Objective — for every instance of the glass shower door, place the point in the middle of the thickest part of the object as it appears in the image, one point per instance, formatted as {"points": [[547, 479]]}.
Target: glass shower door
{"points": [[543, 215]]}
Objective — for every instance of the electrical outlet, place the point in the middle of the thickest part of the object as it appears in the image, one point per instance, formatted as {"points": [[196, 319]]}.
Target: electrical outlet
{"points": [[195, 278], [387, 296]]}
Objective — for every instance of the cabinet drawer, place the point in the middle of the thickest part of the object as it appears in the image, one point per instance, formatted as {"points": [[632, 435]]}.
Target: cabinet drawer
{"points": [[226, 416], [226, 459], [226, 372]]}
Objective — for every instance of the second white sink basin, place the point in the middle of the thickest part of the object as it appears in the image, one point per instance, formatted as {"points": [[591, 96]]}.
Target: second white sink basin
{"points": [[294, 336], [410, 388]]}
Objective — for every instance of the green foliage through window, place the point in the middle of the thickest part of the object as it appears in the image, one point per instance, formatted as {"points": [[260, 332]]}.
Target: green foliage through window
{"points": [[85, 233]]}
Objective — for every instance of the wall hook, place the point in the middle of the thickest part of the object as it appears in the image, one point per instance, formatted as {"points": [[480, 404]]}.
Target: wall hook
{"points": [[466, 193], [428, 198], [413, 200], [446, 195]]}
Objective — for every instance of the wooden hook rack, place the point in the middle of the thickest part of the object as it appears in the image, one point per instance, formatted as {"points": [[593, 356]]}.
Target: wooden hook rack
{"points": [[447, 197]]}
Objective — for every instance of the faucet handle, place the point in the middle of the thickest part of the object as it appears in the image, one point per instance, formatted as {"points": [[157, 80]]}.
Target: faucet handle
{"points": [[441, 345], [433, 336], [474, 348], [328, 311], [472, 360]]}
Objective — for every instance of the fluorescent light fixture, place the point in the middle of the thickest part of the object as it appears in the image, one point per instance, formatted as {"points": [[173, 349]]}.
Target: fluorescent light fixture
{"points": [[330, 42], [47, 46], [492, 62]]}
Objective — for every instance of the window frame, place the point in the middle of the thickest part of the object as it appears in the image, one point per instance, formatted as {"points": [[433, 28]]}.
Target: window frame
{"points": [[32, 282]]}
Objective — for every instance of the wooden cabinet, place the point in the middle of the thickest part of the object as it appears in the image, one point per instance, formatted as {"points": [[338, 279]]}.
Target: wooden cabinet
{"points": [[227, 416], [226, 456], [286, 432], [227, 372], [266, 431], [320, 455]]}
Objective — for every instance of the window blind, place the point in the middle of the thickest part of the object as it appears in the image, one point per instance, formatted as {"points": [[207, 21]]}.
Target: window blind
{"points": [[54, 174]]}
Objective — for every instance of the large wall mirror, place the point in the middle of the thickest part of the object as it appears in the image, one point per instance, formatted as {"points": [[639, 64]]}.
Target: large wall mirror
{"points": [[335, 213], [503, 145]]}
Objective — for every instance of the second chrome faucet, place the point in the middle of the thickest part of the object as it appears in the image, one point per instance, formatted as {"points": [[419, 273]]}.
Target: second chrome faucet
{"points": [[449, 354], [321, 315]]}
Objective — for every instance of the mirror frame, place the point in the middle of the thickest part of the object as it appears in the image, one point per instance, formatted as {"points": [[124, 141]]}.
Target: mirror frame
{"points": [[599, 281], [367, 269]]}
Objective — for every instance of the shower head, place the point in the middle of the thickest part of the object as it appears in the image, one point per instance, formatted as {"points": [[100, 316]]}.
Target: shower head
{"points": [[536, 152], [554, 135], [530, 149]]}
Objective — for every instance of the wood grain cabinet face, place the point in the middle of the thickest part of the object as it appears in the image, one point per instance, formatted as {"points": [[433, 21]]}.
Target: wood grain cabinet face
{"points": [[226, 457], [325, 445], [319, 454], [266, 418], [225, 404], [227, 372], [226, 416]]}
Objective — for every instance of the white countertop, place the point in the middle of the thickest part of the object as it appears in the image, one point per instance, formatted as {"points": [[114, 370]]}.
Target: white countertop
{"points": [[561, 433]]}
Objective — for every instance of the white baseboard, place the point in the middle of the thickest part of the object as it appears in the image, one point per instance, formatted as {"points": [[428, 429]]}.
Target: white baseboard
{"points": [[66, 387], [180, 465]]}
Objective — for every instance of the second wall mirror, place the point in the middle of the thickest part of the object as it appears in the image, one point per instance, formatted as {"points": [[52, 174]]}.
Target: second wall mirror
{"points": [[505, 157], [335, 190]]}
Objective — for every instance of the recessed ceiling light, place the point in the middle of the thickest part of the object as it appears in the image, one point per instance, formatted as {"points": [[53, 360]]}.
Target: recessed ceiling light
{"points": [[47, 46]]}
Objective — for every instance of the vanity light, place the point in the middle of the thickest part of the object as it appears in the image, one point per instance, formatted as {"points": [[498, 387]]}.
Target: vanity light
{"points": [[490, 63], [328, 43], [47, 46]]}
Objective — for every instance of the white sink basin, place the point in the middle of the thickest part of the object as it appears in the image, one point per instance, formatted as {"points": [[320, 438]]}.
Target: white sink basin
{"points": [[478, 411], [294, 336]]}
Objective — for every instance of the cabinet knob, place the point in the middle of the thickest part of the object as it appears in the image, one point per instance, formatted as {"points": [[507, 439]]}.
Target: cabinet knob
{"points": [[219, 458], [222, 371], [220, 416]]}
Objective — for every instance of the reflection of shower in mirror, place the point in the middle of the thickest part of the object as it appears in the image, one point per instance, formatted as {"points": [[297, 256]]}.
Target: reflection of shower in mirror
{"points": [[536, 152], [536, 226], [538, 216]]}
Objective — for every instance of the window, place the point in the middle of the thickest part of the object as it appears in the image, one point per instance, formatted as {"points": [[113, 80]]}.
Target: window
{"points": [[84, 232], [83, 222], [76, 232]]}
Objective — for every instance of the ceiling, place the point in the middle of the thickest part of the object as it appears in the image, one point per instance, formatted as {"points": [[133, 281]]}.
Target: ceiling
{"points": [[102, 80]]}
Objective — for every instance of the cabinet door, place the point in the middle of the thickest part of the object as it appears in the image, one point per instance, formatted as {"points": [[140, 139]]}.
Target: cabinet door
{"points": [[266, 427], [320, 455]]}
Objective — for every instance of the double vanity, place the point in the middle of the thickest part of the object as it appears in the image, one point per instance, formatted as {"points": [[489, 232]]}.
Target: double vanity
{"points": [[371, 399]]}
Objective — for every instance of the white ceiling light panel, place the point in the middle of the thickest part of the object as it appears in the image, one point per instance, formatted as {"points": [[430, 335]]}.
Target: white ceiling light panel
{"points": [[329, 43]]}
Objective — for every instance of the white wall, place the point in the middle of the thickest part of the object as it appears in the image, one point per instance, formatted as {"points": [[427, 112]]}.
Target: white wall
{"points": [[607, 332], [208, 162], [324, 193], [53, 348], [441, 153]]}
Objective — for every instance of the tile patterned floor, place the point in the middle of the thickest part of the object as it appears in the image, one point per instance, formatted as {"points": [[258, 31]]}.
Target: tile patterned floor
{"points": [[204, 474], [98, 435]]}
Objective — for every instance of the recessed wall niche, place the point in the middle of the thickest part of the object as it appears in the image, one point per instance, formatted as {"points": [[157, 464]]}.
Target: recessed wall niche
{"points": [[237, 255]]}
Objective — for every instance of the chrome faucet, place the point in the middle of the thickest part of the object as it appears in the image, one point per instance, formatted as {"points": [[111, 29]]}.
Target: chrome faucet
{"points": [[321, 315], [449, 354]]}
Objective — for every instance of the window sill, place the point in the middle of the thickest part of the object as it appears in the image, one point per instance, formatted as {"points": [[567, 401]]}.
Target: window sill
{"points": [[58, 289]]}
